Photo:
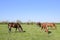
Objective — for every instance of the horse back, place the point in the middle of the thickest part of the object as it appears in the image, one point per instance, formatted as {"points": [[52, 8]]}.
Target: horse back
{"points": [[14, 25]]}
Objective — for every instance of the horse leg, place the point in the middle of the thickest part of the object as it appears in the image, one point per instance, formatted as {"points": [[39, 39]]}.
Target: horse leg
{"points": [[46, 30], [19, 29], [41, 27], [9, 29], [22, 29], [16, 30], [55, 26]]}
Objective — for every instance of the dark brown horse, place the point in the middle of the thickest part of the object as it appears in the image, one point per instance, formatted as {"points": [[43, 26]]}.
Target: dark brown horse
{"points": [[15, 25]]}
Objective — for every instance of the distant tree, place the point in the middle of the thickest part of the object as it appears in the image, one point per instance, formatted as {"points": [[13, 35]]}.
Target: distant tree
{"points": [[4, 22], [18, 21]]}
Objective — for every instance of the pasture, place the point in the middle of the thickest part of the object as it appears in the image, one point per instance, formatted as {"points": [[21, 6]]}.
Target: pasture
{"points": [[33, 32]]}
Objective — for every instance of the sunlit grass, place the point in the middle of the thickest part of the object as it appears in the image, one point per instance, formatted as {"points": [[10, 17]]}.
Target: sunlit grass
{"points": [[33, 32]]}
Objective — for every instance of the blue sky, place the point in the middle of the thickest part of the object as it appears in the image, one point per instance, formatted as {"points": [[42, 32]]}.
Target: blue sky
{"points": [[30, 10]]}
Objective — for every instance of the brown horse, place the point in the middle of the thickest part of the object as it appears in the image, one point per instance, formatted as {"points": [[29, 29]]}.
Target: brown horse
{"points": [[46, 25], [15, 25]]}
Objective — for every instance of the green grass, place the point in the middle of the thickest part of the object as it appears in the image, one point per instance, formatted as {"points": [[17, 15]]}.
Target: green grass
{"points": [[33, 32]]}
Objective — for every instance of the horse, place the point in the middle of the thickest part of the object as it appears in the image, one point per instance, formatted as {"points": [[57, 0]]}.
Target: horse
{"points": [[15, 25], [46, 25]]}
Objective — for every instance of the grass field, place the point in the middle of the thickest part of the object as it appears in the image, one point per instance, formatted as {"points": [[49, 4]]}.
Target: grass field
{"points": [[33, 32]]}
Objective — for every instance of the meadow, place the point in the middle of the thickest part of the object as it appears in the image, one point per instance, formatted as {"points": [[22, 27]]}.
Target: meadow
{"points": [[33, 32]]}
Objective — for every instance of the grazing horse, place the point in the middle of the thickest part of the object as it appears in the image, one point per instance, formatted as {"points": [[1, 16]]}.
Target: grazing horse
{"points": [[15, 25], [46, 25]]}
